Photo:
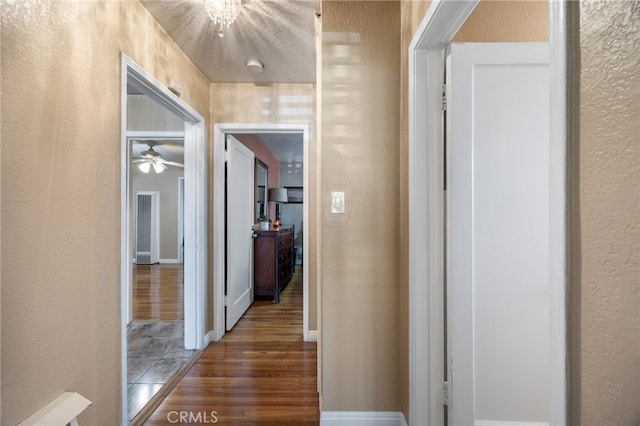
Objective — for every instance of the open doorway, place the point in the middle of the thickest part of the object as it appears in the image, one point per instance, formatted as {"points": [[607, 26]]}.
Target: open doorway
{"points": [[164, 127], [265, 130], [287, 148], [278, 188], [155, 334]]}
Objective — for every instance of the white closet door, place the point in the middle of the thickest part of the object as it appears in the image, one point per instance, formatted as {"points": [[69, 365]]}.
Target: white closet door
{"points": [[240, 207], [498, 227]]}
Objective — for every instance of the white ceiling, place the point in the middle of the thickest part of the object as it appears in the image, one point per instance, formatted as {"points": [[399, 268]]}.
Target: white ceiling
{"points": [[286, 147], [279, 33]]}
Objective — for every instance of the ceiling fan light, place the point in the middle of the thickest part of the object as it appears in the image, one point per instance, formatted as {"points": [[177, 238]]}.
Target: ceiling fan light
{"points": [[159, 168], [144, 167]]}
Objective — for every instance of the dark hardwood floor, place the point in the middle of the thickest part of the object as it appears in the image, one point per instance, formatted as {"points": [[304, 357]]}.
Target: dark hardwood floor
{"points": [[158, 292], [260, 373]]}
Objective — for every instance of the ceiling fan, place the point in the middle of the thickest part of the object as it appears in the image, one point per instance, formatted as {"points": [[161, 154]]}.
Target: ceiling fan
{"points": [[151, 158]]}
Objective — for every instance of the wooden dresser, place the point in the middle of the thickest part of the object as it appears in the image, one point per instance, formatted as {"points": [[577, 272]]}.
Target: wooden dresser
{"points": [[273, 261]]}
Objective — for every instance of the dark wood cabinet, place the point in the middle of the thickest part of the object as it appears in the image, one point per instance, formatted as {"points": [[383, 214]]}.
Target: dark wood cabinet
{"points": [[273, 261]]}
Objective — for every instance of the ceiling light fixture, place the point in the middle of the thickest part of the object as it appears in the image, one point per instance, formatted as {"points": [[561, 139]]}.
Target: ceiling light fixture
{"points": [[151, 158], [159, 167], [144, 167], [222, 12], [254, 66]]}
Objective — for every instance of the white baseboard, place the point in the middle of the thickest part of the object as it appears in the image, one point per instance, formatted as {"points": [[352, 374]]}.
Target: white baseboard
{"points": [[169, 261], [312, 336], [349, 418], [509, 423], [211, 336]]}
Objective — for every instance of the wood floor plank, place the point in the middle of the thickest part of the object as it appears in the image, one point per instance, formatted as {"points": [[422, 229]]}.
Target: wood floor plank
{"points": [[158, 292], [260, 373]]}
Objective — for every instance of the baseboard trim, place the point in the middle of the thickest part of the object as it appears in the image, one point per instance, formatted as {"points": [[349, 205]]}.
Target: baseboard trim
{"points": [[210, 337], [509, 423], [348, 418], [169, 261], [312, 336]]}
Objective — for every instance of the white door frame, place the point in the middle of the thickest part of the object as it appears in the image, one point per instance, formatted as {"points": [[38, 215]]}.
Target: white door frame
{"points": [[218, 232], [155, 228], [181, 189], [426, 208], [195, 267]]}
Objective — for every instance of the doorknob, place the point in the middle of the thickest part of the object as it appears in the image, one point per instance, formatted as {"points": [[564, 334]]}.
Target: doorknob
{"points": [[254, 235]]}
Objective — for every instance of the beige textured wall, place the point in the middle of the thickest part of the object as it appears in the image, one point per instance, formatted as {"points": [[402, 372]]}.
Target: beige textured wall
{"points": [[609, 169], [490, 21], [60, 194], [273, 104], [360, 252], [506, 21]]}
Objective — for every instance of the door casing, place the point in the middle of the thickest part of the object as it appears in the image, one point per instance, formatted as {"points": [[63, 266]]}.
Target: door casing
{"points": [[195, 268], [426, 208]]}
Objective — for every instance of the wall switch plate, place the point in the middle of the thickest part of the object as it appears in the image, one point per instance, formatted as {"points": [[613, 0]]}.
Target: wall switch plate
{"points": [[337, 202]]}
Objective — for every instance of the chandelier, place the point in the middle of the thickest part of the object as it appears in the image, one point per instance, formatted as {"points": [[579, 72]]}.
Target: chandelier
{"points": [[222, 12]]}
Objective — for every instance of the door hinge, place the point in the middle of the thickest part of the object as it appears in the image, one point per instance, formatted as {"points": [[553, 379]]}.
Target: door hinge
{"points": [[226, 155], [226, 300], [444, 97], [445, 393]]}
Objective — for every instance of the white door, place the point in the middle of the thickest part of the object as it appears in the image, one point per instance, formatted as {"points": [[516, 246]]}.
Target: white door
{"points": [[498, 227], [240, 205]]}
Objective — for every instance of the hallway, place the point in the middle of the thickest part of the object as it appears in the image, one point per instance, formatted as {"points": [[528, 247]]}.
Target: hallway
{"points": [[260, 373]]}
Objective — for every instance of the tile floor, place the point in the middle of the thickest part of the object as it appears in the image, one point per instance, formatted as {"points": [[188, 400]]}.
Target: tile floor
{"points": [[155, 353]]}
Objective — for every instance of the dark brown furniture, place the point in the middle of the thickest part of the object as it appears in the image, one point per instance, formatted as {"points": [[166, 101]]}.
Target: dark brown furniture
{"points": [[273, 261]]}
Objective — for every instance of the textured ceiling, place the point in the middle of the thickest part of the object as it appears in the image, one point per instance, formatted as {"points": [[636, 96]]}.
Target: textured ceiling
{"points": [[279, 33], [286, 147]]}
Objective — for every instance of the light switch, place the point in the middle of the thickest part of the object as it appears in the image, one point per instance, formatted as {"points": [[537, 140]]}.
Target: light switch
{"points": [[337, 202]]}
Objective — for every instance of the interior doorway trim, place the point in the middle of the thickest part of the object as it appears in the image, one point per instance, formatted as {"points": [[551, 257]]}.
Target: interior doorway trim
{"points": [[426, 209], [181, 188], [195, 173], [219, 134]]}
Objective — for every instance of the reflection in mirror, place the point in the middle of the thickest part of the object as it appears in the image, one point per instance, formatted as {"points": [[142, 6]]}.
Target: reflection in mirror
{"points": [[262, 171]]}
